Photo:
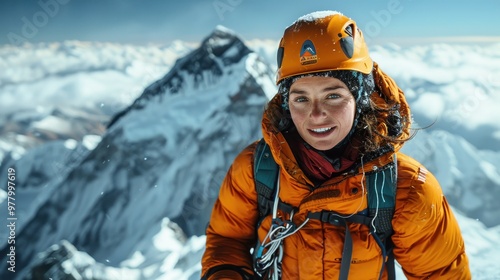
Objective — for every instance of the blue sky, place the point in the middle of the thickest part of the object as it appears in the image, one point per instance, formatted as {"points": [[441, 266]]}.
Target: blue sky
{"points": [[162, 21]]}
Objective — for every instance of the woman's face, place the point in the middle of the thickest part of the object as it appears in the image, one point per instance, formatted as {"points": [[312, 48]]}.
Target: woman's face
{"points": [[322, 109]]}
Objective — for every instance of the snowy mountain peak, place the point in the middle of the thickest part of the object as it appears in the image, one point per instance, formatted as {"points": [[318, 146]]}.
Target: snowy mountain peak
{"points": [[198, 70], [221, 32], [224, 29], [224, 43]]}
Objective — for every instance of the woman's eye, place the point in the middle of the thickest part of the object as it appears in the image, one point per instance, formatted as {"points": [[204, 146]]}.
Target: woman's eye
{"points": [[333, 96], [300, 99]]}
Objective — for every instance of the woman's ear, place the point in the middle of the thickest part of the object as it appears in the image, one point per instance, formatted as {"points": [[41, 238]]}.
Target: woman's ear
{"points": [[286, 121]]}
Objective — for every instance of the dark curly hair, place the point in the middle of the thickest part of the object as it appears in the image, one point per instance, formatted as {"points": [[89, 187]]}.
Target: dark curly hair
{"points": [[380, 125]]}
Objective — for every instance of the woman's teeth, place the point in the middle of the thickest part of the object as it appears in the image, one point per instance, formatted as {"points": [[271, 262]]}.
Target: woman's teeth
{"points": [[321, 130]]}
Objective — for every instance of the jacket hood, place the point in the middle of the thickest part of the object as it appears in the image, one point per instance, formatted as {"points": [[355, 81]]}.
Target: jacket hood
{"points": [[391, 93]]}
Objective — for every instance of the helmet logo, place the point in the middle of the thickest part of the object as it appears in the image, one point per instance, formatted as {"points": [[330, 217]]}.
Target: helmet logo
{"points": [[308, 53]]}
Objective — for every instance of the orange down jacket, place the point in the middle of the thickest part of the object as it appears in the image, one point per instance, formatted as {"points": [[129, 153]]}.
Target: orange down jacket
{"points": [[427, 239]]}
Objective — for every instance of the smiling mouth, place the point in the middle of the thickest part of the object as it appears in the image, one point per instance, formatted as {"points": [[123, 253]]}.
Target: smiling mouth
{"points": [[321, 130]]}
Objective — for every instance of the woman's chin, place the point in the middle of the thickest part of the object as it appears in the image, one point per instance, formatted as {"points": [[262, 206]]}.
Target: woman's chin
{"points": [[323, 145]]}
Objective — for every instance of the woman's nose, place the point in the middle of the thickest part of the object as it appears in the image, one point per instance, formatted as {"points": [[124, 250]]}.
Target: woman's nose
{"points": [[317, 110]]}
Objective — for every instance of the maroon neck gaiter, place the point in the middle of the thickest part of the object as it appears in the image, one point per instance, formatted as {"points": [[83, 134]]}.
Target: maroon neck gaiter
{"points": [[320, 166]]}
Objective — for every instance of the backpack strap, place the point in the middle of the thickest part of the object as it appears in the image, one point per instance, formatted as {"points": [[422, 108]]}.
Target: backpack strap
{"points": [[382, 186], [382, 198], [267, 262], [265, 176], [266, 172]]}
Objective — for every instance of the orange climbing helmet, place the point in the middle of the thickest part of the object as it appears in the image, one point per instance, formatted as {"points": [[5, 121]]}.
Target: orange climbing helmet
{"points": [[322, 41]]}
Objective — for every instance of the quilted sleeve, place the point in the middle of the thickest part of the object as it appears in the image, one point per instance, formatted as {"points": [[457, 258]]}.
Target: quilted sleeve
{"points": [[427, 238], [231, 231]]}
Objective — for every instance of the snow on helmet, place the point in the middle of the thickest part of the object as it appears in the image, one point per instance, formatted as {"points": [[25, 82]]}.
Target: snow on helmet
{"points": [[322, 41]]}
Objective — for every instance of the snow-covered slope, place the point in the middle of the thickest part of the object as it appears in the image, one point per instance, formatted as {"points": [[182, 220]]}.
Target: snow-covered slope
{"points": [[470, 178], [38, 172], [482, 246], [171, 256], [164, 156]]}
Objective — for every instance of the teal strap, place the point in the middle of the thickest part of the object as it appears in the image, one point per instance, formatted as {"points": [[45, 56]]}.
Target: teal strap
{"points": [[345, 263]]}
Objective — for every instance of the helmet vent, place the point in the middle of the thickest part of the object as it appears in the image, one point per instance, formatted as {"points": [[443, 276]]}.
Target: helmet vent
{"points": [[347, 43], [348, 30], [280, 54]]}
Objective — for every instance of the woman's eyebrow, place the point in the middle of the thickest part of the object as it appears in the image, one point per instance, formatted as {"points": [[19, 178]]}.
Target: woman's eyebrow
{"points": [[333, 88], [298, 91]]}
